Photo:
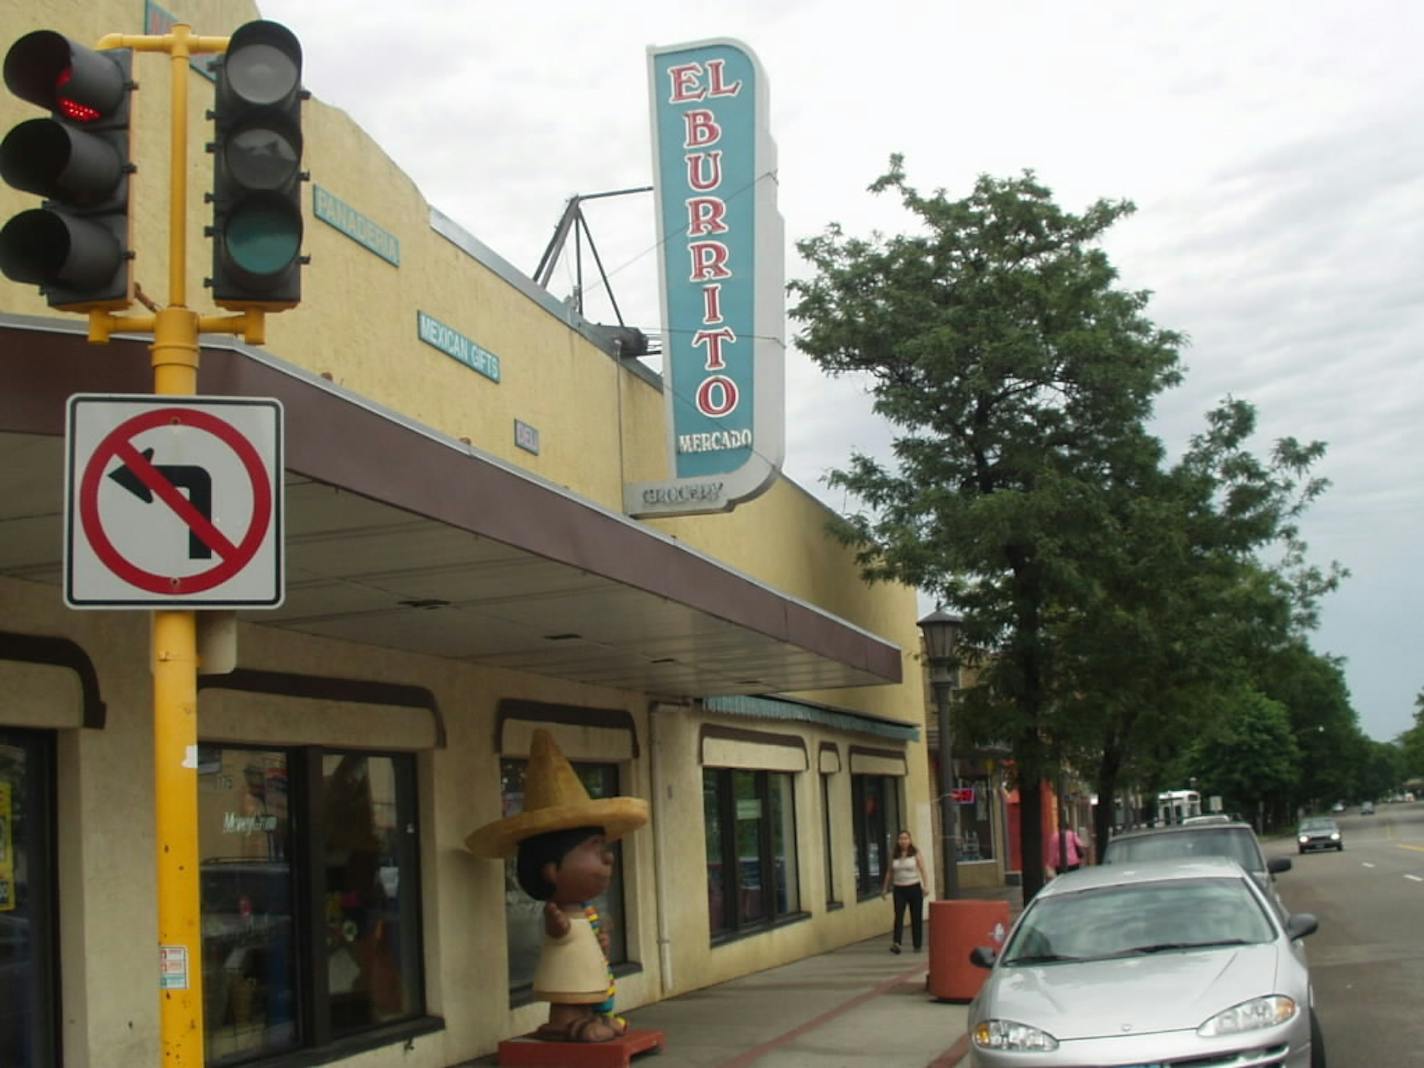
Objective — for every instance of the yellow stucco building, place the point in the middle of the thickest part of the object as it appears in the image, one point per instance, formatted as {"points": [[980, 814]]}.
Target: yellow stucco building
{"points": [[458, 573]]}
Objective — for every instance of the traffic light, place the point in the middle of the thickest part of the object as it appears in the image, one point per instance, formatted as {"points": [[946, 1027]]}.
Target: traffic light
{"points": [[76, 246], [257, 176]]}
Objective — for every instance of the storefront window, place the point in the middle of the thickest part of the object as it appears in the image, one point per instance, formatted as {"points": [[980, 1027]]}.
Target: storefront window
{"points": [[27, 944], [976, 837], [311, 928], [714, 839], [751, 847], [782, 810], [876, 800], [372, 947], [249, 954], [523, 915]]}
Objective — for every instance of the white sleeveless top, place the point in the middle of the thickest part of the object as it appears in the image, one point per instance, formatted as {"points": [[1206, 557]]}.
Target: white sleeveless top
{"points": [[904, 871]]}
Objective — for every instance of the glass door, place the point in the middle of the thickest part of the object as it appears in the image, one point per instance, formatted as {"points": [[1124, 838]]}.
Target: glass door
{"points": [[28, 988]]}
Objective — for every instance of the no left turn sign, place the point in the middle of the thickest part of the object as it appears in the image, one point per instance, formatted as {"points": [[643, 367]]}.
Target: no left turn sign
{"points": [[173, 501]]}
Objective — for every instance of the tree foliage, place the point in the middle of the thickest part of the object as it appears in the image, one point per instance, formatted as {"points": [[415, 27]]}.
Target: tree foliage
{"points": [[1114, 605], [1019, 377], [1249, 754], [1412, 742]]}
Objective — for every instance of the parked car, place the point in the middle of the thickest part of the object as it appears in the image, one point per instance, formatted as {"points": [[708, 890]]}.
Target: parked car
{"points": [[1367, 809], [1234, 840], [1319, 832], [1168, 962], [1215, 817]]}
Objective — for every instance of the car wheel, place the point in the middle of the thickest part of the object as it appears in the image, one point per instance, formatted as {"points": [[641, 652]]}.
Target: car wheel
{"points": [[1340, 848], [1302, 850], [1317, 1043]]}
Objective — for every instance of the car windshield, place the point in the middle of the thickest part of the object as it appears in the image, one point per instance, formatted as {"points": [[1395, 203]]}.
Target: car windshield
{"points": [[1317, 825], [1138, 919], [1235, 842]]}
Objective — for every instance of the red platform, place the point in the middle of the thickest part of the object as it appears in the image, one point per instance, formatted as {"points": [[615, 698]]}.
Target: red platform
{"points": [[526, 1051]]}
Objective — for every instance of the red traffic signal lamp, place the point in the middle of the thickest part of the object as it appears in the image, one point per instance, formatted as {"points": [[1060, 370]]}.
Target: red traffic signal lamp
{"points": [[76, 246], [257, 176]]}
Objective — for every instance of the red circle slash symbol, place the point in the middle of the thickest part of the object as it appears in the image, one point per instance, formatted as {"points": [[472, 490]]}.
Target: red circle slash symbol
{"points": [[232, 558]]}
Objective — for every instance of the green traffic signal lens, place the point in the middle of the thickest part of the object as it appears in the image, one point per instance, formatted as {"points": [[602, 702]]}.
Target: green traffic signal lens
{"points": [[263, 237]]}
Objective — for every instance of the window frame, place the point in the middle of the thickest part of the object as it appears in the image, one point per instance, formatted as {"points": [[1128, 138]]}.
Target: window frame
{"points": [[317, 1040], [733, 925], [868, 885], [828, 829], [42, 870]]}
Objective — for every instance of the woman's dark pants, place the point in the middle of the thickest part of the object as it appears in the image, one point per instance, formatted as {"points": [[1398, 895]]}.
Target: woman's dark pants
{"points": [[912, 898]]}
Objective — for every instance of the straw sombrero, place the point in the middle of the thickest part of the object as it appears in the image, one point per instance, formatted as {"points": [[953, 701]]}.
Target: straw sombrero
{"points": [[555, 800]]}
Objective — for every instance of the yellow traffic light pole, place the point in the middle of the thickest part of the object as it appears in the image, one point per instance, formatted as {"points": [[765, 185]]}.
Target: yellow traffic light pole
{"points": [[175, 331]]}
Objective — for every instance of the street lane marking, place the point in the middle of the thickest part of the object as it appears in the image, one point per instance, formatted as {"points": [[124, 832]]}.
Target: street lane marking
{"points": [[1367, 864], [1415, 878], [1417, 849]]}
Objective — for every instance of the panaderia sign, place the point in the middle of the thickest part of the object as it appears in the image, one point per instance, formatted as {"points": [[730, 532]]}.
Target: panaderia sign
{"points": [[722, 279]]}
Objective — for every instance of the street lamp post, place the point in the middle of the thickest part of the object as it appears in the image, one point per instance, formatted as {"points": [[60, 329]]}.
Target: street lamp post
{"points": [[941, 634]]}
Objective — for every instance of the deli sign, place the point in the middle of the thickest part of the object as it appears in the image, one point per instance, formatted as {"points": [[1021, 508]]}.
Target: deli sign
{"points": [[722, 279]]}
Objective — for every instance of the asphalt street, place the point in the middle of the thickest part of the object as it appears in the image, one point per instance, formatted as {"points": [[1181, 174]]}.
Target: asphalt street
{"points": [[1367, 959]]}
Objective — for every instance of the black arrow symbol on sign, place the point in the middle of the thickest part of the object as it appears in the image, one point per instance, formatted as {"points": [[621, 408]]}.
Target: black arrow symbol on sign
{"points": [[190, 477]]}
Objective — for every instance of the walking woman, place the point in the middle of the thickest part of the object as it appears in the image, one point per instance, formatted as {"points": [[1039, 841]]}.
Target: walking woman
{"points": [[906, 874]]}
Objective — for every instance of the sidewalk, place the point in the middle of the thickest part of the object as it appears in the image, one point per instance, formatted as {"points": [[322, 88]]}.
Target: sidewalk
{"points": [[857, 1005]]}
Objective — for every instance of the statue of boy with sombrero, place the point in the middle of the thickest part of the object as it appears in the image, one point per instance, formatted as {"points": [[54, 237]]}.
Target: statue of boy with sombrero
{"points": [[561, 841]]}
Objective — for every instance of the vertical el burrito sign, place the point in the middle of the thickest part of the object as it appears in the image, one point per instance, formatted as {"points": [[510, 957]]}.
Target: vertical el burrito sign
{"points": [[722, 279]]}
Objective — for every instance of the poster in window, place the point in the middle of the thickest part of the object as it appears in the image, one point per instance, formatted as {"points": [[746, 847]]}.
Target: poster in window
{"points": [[7, 852]]}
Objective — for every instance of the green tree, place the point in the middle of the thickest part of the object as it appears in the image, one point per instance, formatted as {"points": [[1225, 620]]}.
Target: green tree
{"points": [[1381, 772], [1183, 608], [1412, 742], [1313, 690], [1019, 377], [1249, 754]]}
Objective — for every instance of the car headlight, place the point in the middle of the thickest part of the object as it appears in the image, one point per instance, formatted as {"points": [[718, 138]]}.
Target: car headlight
{"points": [[1304, 839], [1015, 1037], [1335, 837], [1269, 1011]]}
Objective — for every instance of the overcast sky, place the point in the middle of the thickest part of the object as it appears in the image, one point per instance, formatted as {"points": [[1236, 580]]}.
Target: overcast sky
{"points": [[1275, 152]]}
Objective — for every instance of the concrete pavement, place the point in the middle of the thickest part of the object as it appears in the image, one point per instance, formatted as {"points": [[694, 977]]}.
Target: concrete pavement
{"points": [[859, 1005]]}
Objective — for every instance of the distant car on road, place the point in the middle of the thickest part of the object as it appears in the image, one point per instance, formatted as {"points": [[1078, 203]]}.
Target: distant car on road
{"points": [[1367, 809], [1188, 840], [1338, 806], [1319, 832], [1160, 963]]}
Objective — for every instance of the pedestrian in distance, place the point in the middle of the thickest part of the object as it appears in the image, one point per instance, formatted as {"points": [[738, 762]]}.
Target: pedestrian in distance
{"points": [[906, 875], [1076, 850]]}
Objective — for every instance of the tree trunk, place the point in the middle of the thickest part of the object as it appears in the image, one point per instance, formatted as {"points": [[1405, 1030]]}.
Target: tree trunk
{"points": [[1031, 849], [1106, 785]]}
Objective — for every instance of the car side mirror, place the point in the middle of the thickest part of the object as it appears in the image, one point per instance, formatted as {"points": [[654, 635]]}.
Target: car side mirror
{"points": [[1277, 865], [982, 957], [1301, 924]]}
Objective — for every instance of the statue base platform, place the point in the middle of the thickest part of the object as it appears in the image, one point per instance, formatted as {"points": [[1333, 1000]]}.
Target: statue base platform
{"points": [[526, 1051]]}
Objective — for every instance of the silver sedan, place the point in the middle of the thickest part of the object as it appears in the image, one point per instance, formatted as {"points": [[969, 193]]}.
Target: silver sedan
{"points": [[1149, 965]]}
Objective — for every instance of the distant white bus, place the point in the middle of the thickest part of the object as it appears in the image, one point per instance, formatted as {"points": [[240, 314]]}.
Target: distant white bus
{"points": [[1177, 806]]}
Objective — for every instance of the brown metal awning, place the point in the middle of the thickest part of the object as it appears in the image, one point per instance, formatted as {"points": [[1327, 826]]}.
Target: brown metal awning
{"points": [[402, 538]]}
